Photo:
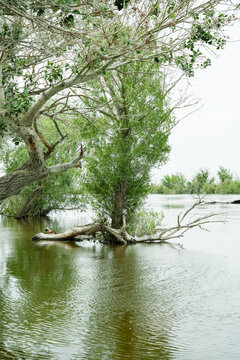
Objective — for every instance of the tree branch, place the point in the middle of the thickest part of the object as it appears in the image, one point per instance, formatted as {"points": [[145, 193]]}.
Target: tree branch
{"points": [[75, 163], [28, 118]]}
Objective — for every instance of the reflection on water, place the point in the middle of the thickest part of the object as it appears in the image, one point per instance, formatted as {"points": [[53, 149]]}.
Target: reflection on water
{"points": [[92, 301]]}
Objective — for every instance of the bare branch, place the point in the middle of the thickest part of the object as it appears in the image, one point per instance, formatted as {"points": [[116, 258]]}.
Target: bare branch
{"points": [[40, 135], [55, 89], [75, 163]]}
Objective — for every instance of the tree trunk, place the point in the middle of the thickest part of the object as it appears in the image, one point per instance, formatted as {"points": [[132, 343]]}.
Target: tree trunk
{"points": [[28, 207], [12, 183], [118, 207]]}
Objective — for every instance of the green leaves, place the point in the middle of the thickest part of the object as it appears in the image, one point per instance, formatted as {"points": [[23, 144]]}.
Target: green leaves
{"points": [[206, 63], [224, 174], [53, 72], [198, 33], [144, 222], [17, 101], [185, 64]]}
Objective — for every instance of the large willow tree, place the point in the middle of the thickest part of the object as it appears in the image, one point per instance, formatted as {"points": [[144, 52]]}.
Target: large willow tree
{"points": [[49, 50]]}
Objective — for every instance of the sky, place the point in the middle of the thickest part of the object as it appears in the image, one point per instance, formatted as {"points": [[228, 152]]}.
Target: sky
{"points": [[210, 137]]}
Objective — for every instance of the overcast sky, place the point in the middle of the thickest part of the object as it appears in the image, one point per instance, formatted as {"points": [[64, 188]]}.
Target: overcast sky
{"points": [[210, 137]]}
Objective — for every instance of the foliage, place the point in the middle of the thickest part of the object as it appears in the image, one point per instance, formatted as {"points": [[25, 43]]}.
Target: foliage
{"points": [[145, 222], [175, 182], [38, 199], [57, 191], [201, 183], [135, 122], [224, 174], [51, 50]]}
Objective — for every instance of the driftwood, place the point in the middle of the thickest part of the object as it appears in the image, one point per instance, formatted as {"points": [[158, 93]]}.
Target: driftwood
{"points": [[120, 236], [88, 232], [223, 202]]}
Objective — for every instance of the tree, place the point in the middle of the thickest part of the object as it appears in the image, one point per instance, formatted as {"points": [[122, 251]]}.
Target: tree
{"points": [[224, 174], [135, 121], [227, 185], [49, 50], [201, 182], [174, 184]]}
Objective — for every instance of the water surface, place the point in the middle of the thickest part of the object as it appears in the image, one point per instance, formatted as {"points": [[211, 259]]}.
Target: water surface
{"points": [[147, 301]]}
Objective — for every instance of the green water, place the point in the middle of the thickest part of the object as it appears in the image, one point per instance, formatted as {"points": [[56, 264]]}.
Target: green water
{"points": [[93, 301]]}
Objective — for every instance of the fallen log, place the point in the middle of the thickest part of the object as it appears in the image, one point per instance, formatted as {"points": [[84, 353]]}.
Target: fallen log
{"points": [[222, 202], [120, 236], [75, 233], [86, 232]]}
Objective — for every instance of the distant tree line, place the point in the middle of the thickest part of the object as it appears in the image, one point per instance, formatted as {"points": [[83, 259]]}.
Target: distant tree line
{"points": [[201, 183]]}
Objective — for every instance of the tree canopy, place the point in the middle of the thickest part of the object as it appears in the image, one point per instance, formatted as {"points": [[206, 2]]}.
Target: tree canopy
{"points": [[49, 51]]}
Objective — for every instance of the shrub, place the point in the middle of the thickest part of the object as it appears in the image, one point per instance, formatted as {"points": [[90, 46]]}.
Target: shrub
{"points": [[144, 222]]}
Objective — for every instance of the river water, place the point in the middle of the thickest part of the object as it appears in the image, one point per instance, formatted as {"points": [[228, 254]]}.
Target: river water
{"points": [[145, 301]]}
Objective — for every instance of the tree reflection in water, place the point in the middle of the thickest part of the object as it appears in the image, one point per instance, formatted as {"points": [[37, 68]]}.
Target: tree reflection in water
{"points": [[79, 302]]}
